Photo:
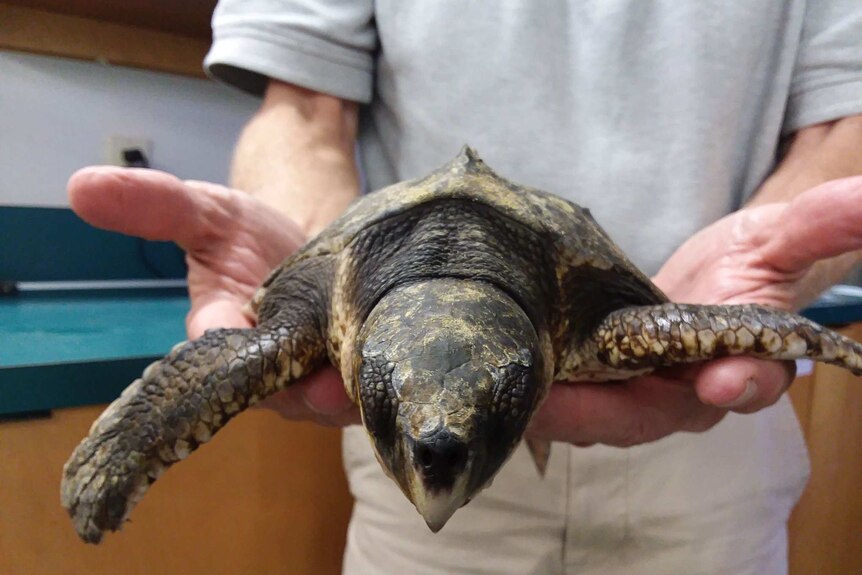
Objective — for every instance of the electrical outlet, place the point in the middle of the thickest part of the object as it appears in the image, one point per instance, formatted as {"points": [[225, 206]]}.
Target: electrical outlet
{"points": [[114, 146]]}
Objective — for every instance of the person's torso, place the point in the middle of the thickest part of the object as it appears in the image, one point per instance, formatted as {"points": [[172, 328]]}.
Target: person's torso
{"points": [[659, 116]]}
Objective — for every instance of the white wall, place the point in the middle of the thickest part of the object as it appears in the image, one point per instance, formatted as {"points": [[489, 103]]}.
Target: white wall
{"points": [[55, 115]]}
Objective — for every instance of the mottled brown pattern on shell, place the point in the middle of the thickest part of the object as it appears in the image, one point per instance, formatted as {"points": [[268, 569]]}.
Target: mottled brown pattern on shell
{"points": [[572, 232]]}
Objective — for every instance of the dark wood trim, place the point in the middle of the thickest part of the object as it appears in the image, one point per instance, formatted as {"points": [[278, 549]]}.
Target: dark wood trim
{"points": [[42, 32]]}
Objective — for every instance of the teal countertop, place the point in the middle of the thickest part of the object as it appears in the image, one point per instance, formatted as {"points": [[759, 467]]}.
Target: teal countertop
{"points": [[840, 305], [63, 350], [82, 348]]}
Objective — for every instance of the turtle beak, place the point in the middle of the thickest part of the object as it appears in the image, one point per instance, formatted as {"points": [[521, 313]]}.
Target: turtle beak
{"points": [[438, 476]]}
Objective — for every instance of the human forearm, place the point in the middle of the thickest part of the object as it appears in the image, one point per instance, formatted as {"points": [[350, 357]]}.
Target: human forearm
{"points": [[297, 155], [815, 155]]}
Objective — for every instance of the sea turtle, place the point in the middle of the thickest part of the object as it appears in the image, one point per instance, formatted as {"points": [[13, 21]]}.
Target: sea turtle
{"points": [[449, 304]]}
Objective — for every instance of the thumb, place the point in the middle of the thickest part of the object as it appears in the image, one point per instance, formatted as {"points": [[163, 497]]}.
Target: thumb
{"points": [[215, 310], [821, 223], [150, 204]]}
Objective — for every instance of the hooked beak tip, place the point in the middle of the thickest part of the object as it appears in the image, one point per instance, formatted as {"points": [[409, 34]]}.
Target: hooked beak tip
{"points": [[434, 526], [437, 508], [437, 516], [437, 476]]}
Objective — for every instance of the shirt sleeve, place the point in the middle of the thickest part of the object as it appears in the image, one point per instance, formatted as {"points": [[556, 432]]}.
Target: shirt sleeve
{"points": [[323, 45], [827, 79]]}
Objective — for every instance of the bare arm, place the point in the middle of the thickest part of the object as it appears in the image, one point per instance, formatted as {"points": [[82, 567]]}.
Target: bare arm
{"points": [[816, 154], [297, 155]]}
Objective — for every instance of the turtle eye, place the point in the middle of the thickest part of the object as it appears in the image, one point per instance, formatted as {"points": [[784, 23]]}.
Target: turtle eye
{"points": [[512, 401], [377, 397], [513, 395]]}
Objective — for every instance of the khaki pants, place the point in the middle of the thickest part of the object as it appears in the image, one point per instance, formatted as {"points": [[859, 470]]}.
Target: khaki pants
{"points": [[692, 504]]}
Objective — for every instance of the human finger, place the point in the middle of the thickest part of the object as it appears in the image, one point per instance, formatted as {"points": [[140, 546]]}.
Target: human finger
{"points": [[821, 223], [743, 384], [622, 414], [147, 203], [215, 311], [319, 397]]}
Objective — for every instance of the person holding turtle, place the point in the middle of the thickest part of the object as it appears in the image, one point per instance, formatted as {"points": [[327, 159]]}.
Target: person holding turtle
{"points": [[718, 146]]}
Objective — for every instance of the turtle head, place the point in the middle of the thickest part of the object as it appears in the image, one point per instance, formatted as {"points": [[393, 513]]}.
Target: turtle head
{"points": [[449, 374]]}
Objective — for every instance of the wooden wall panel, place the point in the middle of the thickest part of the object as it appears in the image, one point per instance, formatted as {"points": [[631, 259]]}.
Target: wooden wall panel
{"points": [[185, 18], [826, 526], [29, 30], [265, 496]]}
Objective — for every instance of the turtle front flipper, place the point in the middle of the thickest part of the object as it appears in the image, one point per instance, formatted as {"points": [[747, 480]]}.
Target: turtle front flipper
{"points": [[177, 405], [641, 338]]}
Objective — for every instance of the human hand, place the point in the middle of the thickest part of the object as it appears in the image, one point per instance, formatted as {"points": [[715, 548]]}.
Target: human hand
{"points": [[231, 240], [775, 254]]}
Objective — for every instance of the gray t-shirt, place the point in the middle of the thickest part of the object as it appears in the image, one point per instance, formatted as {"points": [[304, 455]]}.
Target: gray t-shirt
{"points": [[661, 116]]}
